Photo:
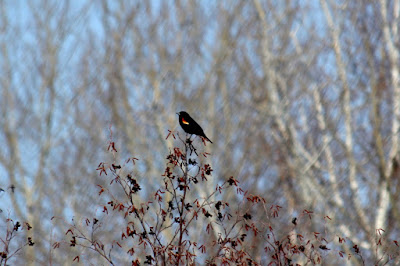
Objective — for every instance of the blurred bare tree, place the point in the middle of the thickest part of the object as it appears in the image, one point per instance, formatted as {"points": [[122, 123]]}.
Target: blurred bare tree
{"points": [[301, 100]]}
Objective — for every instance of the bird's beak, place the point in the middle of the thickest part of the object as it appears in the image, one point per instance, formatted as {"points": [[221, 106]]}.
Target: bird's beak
{"points": [[177, 113]]}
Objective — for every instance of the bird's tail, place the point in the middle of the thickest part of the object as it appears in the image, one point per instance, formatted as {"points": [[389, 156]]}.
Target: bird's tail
{"points": [[207, 138]]}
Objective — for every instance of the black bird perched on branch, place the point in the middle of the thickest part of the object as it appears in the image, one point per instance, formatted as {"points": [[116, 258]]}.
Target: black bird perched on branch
{"points": [[190, 126]]}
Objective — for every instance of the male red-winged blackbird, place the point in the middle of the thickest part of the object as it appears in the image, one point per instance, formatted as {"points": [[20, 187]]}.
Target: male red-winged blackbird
{"points": [[190, 126]]}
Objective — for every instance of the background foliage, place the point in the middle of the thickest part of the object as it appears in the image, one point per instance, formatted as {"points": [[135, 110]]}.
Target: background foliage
{"points": [[301, 100]]}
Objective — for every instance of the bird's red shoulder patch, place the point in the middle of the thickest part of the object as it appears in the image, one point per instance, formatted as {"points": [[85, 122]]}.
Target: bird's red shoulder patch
{"points": [[184, 121]]}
